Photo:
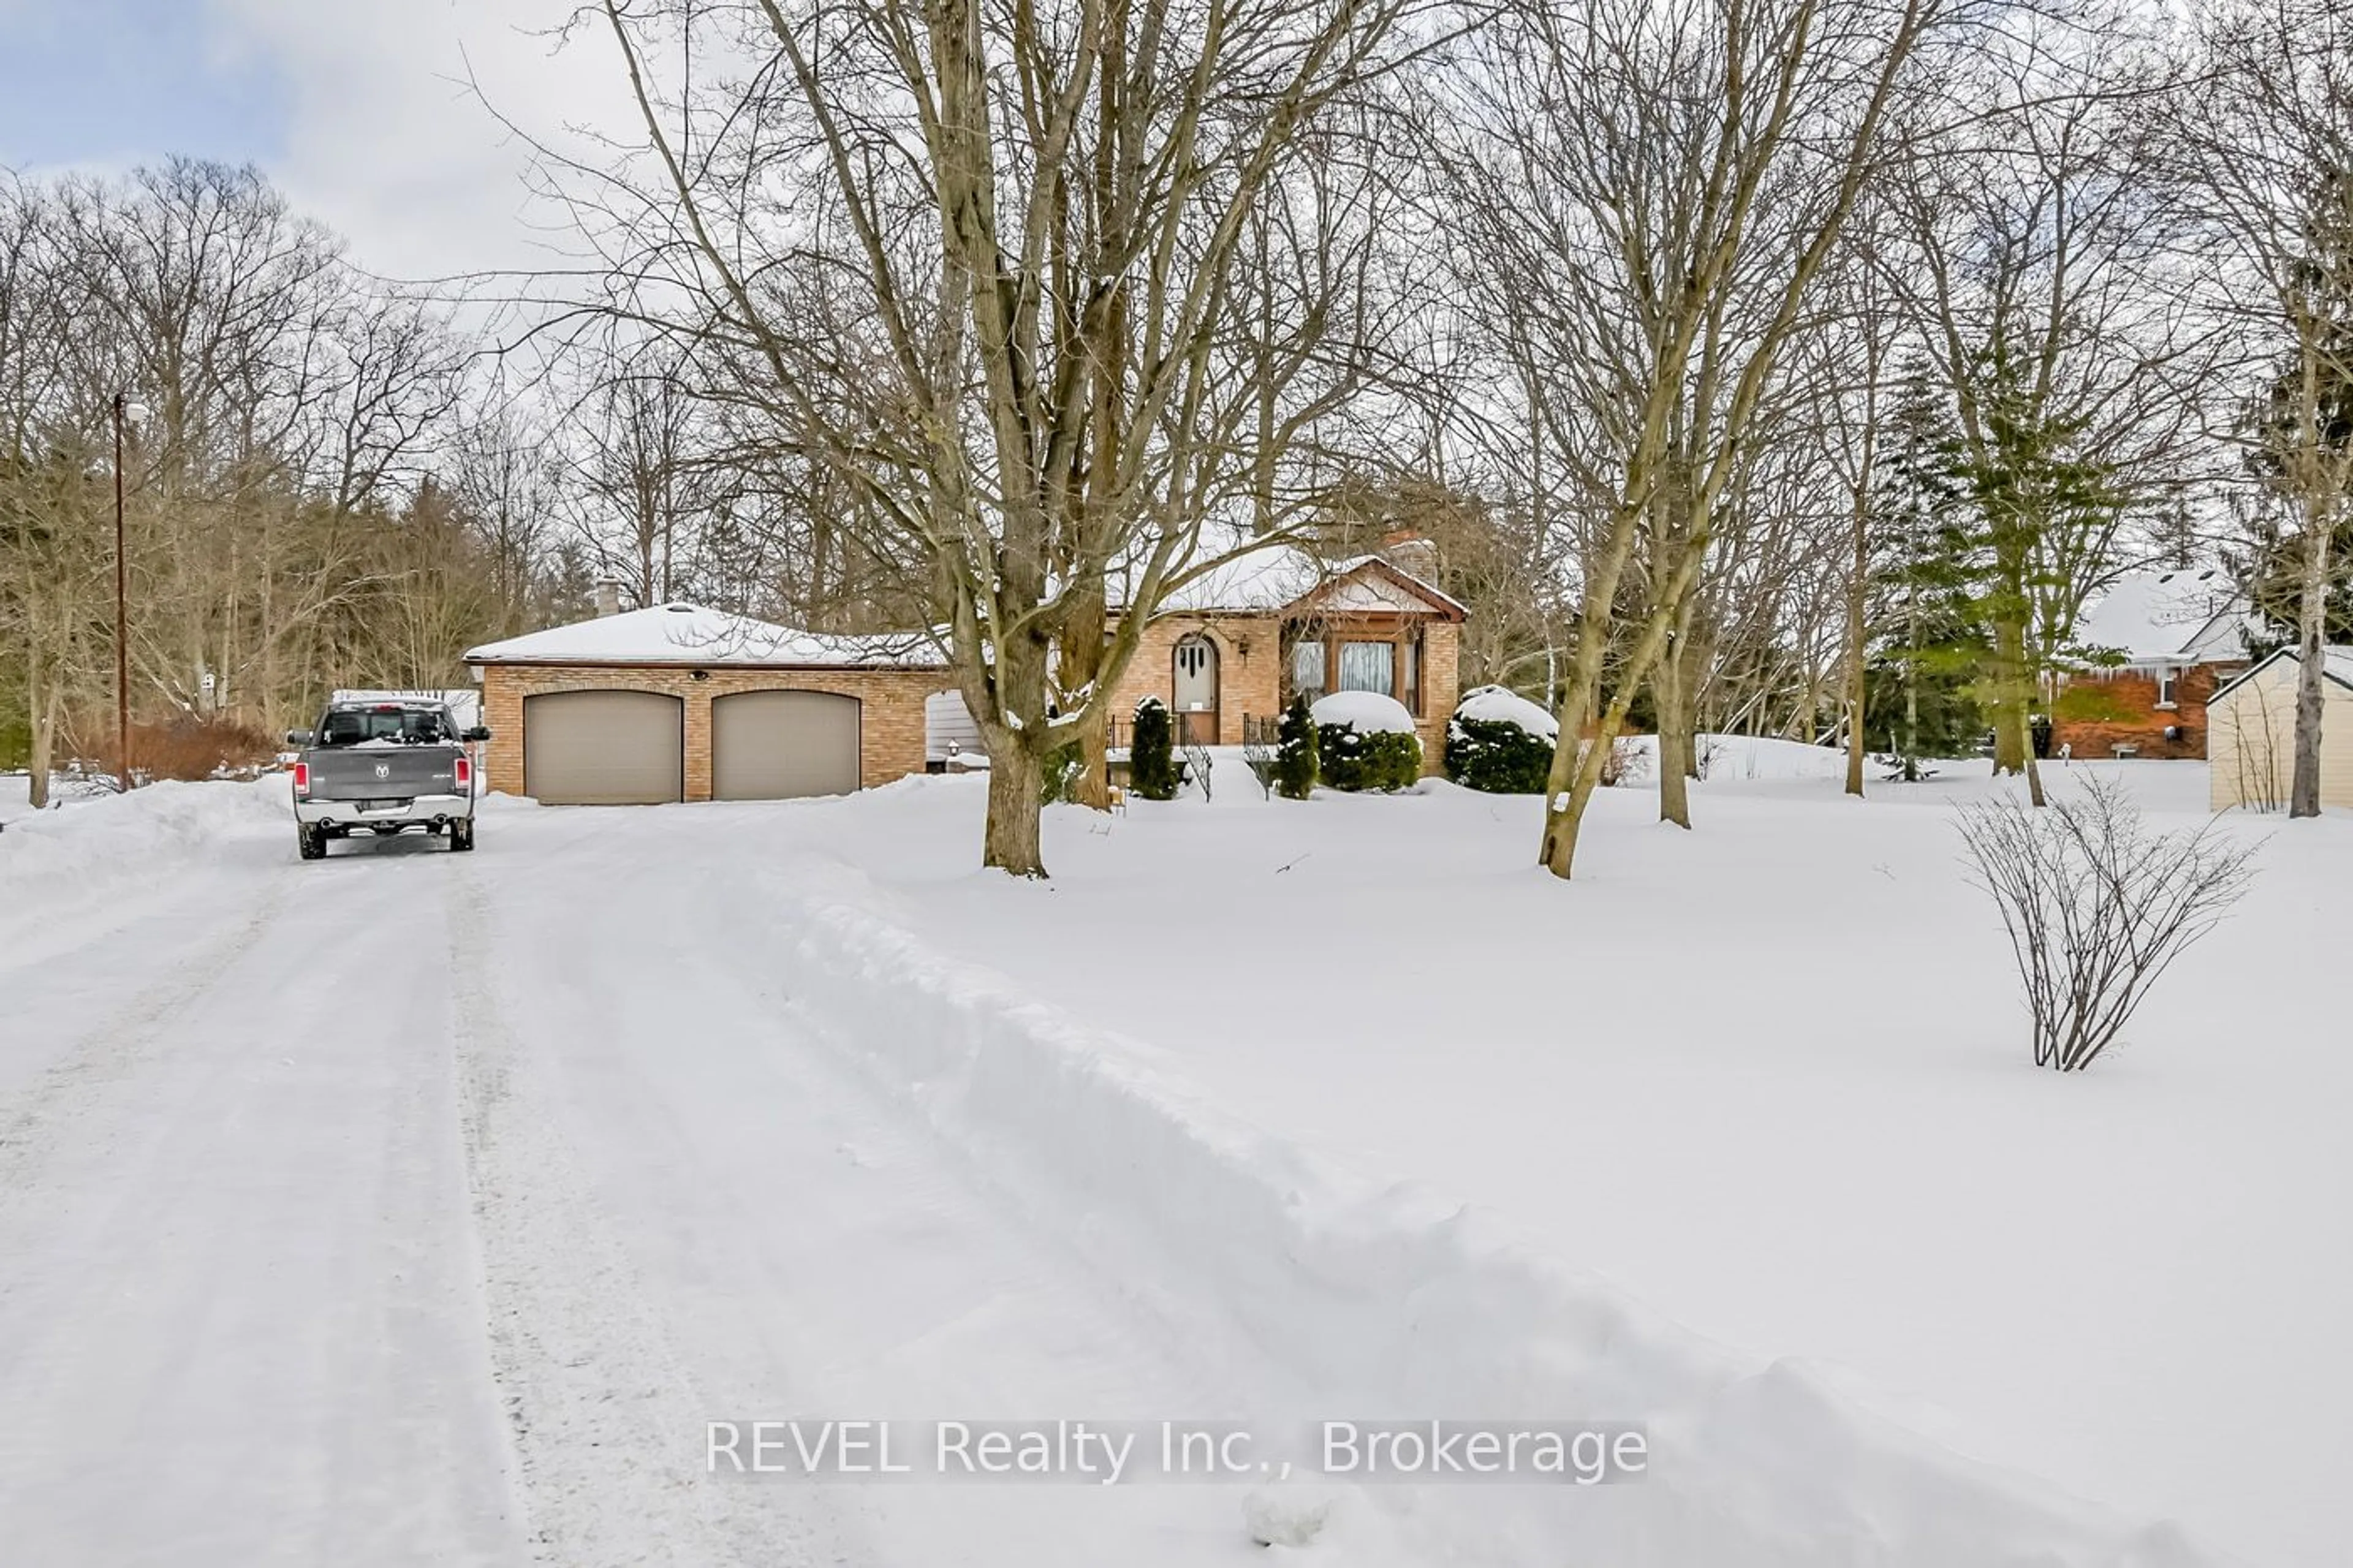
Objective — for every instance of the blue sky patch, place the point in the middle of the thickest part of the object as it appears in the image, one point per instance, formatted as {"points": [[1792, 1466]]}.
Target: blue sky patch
{"points": [[113, 83]]}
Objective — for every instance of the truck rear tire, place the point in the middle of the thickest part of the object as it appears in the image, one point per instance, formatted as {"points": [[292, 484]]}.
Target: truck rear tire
{"points": [[461, 835], [311, 842]]}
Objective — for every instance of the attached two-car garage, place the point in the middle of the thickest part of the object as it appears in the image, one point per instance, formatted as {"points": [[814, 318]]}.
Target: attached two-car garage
{"points": [[628, 748], [682, 703]]}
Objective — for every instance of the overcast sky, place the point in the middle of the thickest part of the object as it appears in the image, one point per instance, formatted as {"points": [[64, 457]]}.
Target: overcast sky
{"points": [[357, 109]]}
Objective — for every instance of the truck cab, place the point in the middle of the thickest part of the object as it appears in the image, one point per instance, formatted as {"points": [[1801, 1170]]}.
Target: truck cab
{"points": [[384, 768]]}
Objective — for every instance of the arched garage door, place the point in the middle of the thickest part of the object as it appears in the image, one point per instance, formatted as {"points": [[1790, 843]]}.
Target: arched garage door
{"points": [[603, 748], [779, 745]]}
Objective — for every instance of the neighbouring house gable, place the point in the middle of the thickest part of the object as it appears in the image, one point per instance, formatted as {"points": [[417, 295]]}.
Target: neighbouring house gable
{"points": [[2156, 618], [2337, 667]]}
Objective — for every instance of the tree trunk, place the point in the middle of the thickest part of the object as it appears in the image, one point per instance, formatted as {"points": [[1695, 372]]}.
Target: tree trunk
{"points": [[2311, 658], [1856, 664], [1084, 641], [1577, 769], [1092, 788], [42, 708], [1674, 743], [1016, 778], [2011, 740]]}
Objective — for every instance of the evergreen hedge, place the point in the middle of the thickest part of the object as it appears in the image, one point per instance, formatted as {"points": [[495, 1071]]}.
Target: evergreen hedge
{"points": [[1352, 759]]}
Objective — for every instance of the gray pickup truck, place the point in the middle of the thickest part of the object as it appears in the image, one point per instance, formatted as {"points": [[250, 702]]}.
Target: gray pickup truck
{"points": [[382, 768]]}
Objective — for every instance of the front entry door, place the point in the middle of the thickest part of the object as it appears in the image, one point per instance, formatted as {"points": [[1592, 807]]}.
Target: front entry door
{"points": [[1194, 685]]}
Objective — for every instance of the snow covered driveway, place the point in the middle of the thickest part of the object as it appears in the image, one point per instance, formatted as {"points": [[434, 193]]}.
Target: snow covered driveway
{"points": [[416, 1208], [409, 1208]]}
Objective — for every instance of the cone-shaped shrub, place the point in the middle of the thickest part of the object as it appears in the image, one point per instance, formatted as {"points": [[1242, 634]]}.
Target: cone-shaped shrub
{"points": [[1294, 753], [1151, 754]]}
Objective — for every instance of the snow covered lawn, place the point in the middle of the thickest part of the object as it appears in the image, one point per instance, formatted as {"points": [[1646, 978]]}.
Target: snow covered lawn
{"points": [[1771, 1079], [417, 1208]]}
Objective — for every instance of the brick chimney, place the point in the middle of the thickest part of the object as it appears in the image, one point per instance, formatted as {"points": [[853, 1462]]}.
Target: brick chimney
{"points": [[609, 598], [1413, 554]]}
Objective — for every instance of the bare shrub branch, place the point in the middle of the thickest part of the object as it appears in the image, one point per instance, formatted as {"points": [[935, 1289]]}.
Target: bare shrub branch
{"points": [[2097, 905]]}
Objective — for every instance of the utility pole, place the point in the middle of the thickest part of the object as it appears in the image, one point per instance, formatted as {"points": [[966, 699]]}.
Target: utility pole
{"points": [[121, 617]]}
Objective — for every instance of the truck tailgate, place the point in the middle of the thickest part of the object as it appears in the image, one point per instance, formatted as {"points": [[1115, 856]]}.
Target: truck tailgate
{"points": [[381, 773]]}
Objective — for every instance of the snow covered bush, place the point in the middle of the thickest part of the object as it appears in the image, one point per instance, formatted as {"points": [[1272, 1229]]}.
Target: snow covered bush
{"points": [[2097, 905], [1364, 740], [1501, 743], [1152, 752], [1295, 756]]}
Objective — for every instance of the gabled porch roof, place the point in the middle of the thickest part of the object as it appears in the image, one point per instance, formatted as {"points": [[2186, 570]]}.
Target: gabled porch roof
{"points": [[1289, 582]]}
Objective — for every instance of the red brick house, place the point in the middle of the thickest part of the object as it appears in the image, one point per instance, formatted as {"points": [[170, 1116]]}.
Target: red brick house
{"points": [[2150, 653], [1229, 649]]}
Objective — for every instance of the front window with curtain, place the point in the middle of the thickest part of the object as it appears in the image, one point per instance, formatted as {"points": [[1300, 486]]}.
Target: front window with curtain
{"points": [[1307, 670], [1368, 667]]}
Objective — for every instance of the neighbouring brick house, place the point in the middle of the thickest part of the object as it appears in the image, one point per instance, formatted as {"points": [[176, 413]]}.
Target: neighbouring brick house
{"points": [[1229, 649], [683, 702], [2159, 645]]}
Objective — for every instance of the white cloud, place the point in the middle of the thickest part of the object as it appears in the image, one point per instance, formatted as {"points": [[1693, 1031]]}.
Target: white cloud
{"points": [[387, 143]]}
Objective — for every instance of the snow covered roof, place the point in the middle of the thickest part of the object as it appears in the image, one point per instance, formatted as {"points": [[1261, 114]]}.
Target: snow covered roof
{"points": [[696, 634], [2337, 668], [2169, 617], [1278, 577]]}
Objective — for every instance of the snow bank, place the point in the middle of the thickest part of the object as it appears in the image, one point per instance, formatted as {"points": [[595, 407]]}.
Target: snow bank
{"points": [[1369, 712], [1749, 758], [1498, 705], [1396, 1304], [53, 856]]}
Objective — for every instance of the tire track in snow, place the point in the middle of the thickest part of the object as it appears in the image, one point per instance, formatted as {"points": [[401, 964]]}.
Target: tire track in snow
{"points": [[606, 1423], [35, 1118]]}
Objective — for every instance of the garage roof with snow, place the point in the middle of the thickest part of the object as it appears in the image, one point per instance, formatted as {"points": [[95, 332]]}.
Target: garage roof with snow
{"points": [[683, 633]]}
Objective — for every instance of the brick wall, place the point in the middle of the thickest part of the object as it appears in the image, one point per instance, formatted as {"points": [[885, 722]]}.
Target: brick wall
{"points": [[891, 711], [1441, 681], [2096, 713], [1252, 679], [1249, 668]]}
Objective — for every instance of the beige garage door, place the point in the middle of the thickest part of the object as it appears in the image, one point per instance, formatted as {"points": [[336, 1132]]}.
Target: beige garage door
{"points": [[778, 746], [603, 748]]}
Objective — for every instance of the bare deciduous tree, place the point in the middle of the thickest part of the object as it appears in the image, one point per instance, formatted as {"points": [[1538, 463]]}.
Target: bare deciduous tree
{"points": [[1663, 185], [2265, 137], [996, 269]]}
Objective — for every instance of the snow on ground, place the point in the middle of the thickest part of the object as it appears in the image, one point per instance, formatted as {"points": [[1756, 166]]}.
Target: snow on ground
{"points": [[417, 1208], [1812, 1136]]}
